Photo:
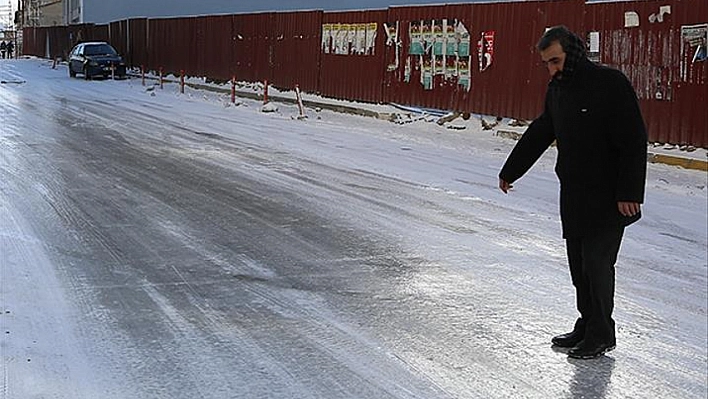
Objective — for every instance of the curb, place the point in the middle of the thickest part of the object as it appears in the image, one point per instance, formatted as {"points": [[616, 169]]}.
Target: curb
{"points": [[686, 163], [287, 100]]}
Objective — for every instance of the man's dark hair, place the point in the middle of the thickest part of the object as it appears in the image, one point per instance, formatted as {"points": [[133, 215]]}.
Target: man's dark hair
{"points": [[573, 46], [560, 34]]}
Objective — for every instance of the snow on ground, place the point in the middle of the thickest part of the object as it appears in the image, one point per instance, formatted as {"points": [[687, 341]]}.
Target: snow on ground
{"points": [[482, 246]]}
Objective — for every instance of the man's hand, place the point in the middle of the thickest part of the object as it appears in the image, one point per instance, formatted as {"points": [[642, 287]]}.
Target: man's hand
{"points": [[504, 186], [628, 208]]}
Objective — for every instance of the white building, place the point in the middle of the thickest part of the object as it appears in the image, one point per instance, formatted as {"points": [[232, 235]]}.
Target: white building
{"points": [[104, 11], [40, 13]]}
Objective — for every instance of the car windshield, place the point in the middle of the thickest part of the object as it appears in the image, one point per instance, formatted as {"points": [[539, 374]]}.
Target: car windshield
{"points": [[99, 49]]}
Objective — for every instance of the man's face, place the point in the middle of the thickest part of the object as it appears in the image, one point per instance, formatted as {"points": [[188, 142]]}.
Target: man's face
{"points": [[554, 58]]}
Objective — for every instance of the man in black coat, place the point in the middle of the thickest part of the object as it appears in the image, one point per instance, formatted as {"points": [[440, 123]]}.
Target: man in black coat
{"points": [[592, 114]]}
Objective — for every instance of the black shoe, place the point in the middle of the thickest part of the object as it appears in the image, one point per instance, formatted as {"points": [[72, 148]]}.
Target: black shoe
{"points": [[590, 349], [568, 340]]}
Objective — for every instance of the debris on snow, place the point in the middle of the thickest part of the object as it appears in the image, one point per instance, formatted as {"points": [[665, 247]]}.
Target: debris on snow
{"points": [[518, 123], [269, 107], [489, 125]]}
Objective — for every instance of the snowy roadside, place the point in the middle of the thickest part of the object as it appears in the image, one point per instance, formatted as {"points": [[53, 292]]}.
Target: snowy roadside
{"points": [[685, 156]]}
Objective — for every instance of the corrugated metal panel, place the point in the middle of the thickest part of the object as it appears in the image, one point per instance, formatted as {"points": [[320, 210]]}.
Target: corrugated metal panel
{"points": [[280, 47], [214, 47], [137, 40], [355, 77], [673, 91], [100, 33], [296, 56], [251, 47], [169, 45], [118, 36], [515, 84]]}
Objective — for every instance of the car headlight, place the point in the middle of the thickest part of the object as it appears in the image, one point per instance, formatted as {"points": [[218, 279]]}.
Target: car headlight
{"points": [[93, 63]]}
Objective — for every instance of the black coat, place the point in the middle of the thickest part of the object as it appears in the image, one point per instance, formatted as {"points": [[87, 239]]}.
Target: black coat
{"points": [[594, 118]]}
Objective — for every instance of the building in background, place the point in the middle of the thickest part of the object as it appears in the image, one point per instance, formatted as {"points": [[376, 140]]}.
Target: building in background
{"points": [[104, 11], [34, 13], [7, 19]]}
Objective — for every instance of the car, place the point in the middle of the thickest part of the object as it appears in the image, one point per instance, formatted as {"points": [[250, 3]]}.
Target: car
{"points": [[96, 59]]}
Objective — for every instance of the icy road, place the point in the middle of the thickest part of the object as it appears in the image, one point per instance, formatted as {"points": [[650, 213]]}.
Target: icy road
{"points": [[158, 245]]}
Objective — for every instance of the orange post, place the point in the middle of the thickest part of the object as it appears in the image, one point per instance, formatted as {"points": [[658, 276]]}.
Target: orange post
{"points": [[300, 106], [265, 92], [181, 81], [142, 73], [233, 90], [161, 81]]}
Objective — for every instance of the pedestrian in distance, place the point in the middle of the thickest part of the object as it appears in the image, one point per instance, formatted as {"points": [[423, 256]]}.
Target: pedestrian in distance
{"points": [[592, 114], [10, 49], [3, 49]]}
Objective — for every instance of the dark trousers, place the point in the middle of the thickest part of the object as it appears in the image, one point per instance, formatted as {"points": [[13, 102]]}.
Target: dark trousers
{"points": [[592, 268]]}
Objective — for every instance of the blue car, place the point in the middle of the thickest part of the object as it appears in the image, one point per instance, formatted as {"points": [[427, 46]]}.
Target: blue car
{"points": [[96, 59]]}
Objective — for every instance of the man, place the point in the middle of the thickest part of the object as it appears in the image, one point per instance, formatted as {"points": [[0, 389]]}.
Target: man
{"points": [[592, 114]]}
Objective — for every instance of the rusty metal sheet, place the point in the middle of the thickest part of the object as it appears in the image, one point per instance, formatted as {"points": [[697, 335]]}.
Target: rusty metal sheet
{"points": [[170, 43], [100, 33], [251, 47], [214, 50], [282, 48], [515, 84], [118, 36], [295, 50], [671, 88], [354, 74], [137, 52], [512, 85]]}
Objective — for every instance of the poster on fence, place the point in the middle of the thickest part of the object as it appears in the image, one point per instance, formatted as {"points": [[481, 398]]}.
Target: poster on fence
{"points": [[326, 38], [450, 37], [371, 31], [464, 77], [485, 50], [463, 38], [349, 39], [438, 37], [593, 46], [339, 32], [438, 53], [393, 41], [694, 38], [415, 32]]}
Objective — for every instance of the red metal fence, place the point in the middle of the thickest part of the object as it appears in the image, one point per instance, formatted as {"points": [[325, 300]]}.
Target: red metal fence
{"points": [[476, 57], [672, 88]]}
